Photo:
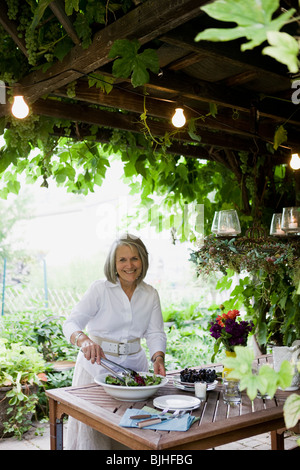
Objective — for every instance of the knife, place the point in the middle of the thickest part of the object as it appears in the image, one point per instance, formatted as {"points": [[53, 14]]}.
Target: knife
{"points": [[158, 419]]}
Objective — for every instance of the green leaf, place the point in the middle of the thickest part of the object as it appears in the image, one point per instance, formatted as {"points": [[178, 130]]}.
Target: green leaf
{"points": [[213, 109], [64, 172], [130, 62], [253, 19], [100, 81], [285, 375], [62, 48], [279, 137], [14, 186], [5, 160], [183, 171], [291, 410], [39, 11], [284, 48], [192, 131], [71, 5]]}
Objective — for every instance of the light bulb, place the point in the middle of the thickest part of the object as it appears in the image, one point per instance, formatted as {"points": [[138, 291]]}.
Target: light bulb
{"points": [[19, 108], [178, 120], [295, 161]]}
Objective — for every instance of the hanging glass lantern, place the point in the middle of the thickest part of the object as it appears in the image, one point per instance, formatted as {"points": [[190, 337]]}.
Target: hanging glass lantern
{"points": [[214, 225], [290, 220], [228, 224], [275, 227]]}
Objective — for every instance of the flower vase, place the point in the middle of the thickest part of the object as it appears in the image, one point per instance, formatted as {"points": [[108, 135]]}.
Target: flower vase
{"points": [[226, 370]]}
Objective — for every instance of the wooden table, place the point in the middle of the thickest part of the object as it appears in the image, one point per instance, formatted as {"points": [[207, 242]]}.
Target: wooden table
{"points": [[218, 424]]}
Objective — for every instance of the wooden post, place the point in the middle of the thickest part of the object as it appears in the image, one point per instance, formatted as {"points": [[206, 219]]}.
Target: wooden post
{"points": [[277, 440], [56, 426]]}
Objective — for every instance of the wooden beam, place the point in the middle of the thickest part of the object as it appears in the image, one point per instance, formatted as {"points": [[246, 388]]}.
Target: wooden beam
{"points": [[57, 7], [132, 101], [106, 119], [145, 23], [185, 87], [239, 79], [186, 61], [125, 99]]}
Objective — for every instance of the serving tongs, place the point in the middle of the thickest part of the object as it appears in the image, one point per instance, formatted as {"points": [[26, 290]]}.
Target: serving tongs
{"points": [[108, 364]]}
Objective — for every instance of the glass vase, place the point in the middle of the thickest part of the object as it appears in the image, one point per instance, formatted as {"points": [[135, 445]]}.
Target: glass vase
{"points": [[226, 370]]}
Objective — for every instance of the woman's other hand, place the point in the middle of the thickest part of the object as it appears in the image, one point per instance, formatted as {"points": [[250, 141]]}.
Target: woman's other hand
{"points": [[159, 366]]}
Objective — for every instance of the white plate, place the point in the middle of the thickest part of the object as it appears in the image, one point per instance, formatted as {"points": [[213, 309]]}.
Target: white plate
{"points": [[176, 402], [125, 393]]}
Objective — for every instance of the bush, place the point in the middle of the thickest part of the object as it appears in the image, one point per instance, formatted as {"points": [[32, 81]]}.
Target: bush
{"points": [[42, 331]]}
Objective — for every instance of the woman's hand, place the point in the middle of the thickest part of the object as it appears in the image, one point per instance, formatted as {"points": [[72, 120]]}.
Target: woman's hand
{"points": [[91, 350], [159, 365]]}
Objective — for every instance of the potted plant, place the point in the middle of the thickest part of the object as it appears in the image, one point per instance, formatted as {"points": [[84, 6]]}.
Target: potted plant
{"points": [[21, 372], [269, 270]]}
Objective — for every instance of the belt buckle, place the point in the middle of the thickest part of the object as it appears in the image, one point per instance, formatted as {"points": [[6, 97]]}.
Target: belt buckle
{"points": [[123, 348]]}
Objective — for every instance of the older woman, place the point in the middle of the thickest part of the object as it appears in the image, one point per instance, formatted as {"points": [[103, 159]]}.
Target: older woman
{"points": [[117, 313]]}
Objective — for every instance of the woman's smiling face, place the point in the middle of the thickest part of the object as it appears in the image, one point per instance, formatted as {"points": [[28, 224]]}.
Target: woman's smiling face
{"points": [[128, 264]]}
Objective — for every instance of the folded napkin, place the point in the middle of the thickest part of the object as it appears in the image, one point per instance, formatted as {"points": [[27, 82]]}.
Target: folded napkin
{"points": [[181, 424]]}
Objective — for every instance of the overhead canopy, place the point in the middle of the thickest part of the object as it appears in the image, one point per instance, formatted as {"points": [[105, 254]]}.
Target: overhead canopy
{"points": [[252, 92]]}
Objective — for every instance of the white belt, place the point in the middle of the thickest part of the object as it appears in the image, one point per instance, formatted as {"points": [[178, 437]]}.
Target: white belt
{"points": [[117, 348]]}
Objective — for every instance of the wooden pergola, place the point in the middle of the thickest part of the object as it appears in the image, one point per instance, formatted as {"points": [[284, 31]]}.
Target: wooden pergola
{"points": [[252, 92]]}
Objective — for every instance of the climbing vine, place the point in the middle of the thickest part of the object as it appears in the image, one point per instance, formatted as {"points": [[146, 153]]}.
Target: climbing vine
{"points": [[45, 149]]}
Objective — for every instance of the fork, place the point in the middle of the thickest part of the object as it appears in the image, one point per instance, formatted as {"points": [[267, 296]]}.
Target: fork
{"points": [[145, 416], [158, 418]]}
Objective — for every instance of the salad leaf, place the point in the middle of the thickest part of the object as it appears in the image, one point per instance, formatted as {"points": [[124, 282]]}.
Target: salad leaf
{"points": [[134, 381]]}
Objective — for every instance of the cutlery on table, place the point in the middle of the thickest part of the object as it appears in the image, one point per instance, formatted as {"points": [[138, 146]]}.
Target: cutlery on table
{"points": [[148, 415], [156, 420]]}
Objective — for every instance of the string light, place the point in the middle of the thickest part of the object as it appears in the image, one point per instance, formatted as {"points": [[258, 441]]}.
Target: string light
{"points": [[19, 108], [178, 119], [295, 161]]}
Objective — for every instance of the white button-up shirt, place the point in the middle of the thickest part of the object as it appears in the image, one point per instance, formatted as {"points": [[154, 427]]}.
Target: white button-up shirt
{"points": [[106, 311]]}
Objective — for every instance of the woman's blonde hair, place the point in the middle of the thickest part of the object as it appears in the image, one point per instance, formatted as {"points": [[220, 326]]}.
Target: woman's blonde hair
{"points": [[131, 241]]}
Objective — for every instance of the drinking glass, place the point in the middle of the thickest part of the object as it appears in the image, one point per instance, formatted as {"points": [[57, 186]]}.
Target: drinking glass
{"points": [[231, 391]]}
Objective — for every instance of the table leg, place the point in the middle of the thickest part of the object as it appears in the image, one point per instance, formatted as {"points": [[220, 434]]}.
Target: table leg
{"points": [[56, 426], [277, 440]]}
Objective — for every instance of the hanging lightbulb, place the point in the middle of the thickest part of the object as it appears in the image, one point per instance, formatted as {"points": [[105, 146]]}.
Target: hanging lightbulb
{"points": [[295, 161], [178, 119], [19, 108]]}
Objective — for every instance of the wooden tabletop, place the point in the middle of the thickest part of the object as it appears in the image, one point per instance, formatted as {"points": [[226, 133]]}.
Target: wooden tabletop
{"points": [[218, 423]]}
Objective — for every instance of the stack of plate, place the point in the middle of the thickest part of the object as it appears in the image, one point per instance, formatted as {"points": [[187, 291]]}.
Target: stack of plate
{"points": [[190, 387], [176, 402]]}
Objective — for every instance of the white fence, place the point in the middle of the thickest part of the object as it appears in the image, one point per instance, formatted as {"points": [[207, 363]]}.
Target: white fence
{"points": [[21, 299]]}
